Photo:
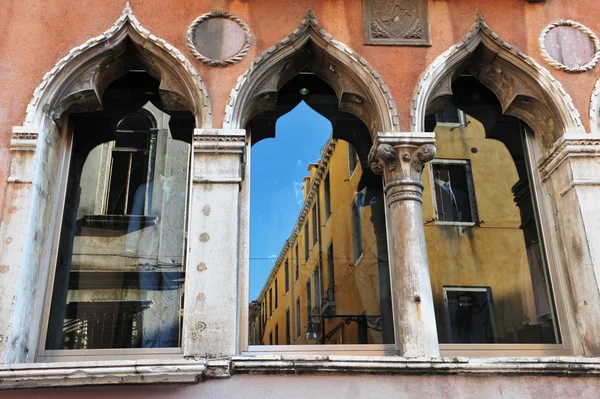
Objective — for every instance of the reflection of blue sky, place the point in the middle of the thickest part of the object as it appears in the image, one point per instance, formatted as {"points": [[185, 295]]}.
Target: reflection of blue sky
{"points": [[278, 168]]}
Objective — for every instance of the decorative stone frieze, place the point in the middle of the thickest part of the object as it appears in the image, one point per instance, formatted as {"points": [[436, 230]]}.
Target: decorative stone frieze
{"points": [[400, 158], [400, 22], [23, 139]]}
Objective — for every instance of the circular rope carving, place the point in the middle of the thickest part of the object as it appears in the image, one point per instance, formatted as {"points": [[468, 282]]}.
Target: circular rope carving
{"points": [[583, 29], [219, 62]]}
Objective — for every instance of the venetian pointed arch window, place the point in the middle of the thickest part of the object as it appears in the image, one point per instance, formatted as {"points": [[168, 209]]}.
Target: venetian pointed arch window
{"points": [[114, 133], [495, 282], [314, 104]]}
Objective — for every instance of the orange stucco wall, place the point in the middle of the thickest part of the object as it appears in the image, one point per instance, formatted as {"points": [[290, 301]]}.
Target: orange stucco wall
{"points": [[35, 35]]}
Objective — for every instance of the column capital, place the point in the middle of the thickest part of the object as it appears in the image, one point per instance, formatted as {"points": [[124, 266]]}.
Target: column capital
{"points": [[400, 158]]}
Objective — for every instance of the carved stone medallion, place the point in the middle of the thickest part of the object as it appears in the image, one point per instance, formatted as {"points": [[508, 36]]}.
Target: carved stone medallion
{"points": [[397, 22], [218, 38], [569, 46]]}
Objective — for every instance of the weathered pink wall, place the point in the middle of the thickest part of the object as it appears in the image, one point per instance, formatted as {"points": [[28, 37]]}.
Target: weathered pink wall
{"points": [[35, 35], [338, 386]]}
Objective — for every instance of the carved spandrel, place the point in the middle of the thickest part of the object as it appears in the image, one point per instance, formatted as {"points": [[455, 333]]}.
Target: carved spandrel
{"points": [[398, 22]]}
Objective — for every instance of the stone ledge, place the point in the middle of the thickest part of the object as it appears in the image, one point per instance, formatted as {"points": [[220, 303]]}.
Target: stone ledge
{"points": [[37, 375], [561, 366]]}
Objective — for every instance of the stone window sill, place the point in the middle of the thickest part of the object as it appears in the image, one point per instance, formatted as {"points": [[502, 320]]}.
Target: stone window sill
{"points": [[39, 375]]}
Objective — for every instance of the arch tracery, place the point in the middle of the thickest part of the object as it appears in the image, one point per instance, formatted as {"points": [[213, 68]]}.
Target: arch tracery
{"points": [[77, 81], [524, 88], [360, 90]]}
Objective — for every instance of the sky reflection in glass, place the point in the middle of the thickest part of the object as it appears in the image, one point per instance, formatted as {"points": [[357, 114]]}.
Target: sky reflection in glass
{"points": [[279, 166]]}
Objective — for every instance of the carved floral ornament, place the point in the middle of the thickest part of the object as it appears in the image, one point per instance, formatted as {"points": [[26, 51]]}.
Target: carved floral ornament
{"points": [[569, 46], [219, 38], [384, 155]]}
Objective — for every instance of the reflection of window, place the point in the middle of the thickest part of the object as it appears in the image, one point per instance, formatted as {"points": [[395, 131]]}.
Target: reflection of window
{"points": [[450, 115], [276, 334], [330, 267], [287, 275], [270, 302], [469, 315], [276, 294], [287, 326], [101, 325], [318, 288], [327, 190], [453, 191], [352, 159], [306, 245], [298, 318], [271, 338], [308, 297], [356, 232], [297, 263], [315, 225], [133, 156]]}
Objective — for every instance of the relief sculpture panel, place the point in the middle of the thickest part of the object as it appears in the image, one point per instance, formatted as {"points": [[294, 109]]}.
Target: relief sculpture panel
{"points": [[399, 22]]}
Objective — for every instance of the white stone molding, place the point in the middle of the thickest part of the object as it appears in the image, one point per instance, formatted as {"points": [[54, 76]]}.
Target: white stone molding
{"points": [[580, 146], [359, 88], [234, 59], [41, 375], [519, 82], [581, 28], [476, 366], [38, 375], [595, 110]]}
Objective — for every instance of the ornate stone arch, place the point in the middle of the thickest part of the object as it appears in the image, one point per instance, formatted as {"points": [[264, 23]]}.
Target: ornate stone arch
{"points": [[360, 90], [524, 88], [595, 109], [79, 79]]}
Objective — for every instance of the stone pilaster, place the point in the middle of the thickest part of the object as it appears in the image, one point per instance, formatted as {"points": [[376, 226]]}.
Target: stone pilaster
{"points": [[570, 179], [400, 158], [212, 283]]}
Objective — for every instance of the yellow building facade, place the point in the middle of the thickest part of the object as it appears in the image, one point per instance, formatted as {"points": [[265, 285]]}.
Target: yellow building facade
{"points": [[326, 279]]}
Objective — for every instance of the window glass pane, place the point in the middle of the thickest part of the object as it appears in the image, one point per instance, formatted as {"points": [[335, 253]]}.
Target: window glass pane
{"points": [[489, 275], [454, 197], [287, 187], [450, 114], [120, 265]]}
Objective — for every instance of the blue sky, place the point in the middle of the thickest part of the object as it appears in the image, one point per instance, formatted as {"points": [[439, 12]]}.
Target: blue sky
{"points": [[278, 168]]}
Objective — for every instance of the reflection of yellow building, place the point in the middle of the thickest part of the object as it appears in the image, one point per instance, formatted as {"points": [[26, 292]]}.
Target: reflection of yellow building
{"points": [[489, 254], [329, 267]]}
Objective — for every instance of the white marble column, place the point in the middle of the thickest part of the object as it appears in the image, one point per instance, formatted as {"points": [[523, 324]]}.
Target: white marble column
{"points": [[400, 158], [212, 283]]}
